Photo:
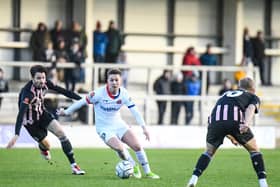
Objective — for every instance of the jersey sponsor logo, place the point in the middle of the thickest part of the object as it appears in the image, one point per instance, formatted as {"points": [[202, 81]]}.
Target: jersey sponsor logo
{"points": [[109, 109]]}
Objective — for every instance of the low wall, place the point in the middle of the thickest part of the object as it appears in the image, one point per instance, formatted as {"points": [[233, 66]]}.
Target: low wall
{"points": [[161, 137]]}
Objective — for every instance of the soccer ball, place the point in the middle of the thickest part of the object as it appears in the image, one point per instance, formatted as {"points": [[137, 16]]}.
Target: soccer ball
{"points": [[124, 169]]}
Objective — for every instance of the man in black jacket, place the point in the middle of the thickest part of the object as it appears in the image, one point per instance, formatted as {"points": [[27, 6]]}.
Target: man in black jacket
{"points": [[259, 55]]}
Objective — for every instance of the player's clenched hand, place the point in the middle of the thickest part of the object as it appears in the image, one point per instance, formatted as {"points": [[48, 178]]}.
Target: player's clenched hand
{"points": [[146, 133], [243, 128], [60, 112], [233, 140], [12, 142]]}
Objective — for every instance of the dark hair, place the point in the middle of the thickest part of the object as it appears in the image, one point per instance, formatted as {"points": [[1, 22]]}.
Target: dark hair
{"points": [[1, 70], [209, 45], [37, 68], [113, 72], [189, 49]]}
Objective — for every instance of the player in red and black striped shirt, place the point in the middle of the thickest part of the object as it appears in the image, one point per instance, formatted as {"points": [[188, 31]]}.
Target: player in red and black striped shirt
{"points": [[231, 117]]}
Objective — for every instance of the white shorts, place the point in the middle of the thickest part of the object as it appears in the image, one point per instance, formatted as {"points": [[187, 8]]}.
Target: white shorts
{"points": [[107, 134]]}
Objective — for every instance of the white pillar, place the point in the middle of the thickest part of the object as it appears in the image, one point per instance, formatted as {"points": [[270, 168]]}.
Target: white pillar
{"points": [[232, 33], [89, 27]]}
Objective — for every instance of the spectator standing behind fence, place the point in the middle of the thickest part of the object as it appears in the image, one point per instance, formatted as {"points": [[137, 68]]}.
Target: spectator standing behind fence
{"points": [[72, 75], [57, 33], [162, 87], [4, 85], [99, 47], [247, 48], [208, 59], [177, 88], [190, 58], [259, 55], [77, 35], [227, 86], [193, 88], [49, 54], [38, 42], [114, 44], [61, 57]]}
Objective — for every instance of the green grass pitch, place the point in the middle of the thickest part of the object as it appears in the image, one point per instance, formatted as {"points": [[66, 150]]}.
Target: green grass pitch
{"points": [[230, 168]]}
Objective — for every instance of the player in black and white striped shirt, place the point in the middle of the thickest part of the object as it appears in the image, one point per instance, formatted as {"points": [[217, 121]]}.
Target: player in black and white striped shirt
{"points": [[37, 120], [231, 117]]}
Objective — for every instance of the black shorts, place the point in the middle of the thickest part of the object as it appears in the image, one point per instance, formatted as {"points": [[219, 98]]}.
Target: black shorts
{"points": [[38, 129], [217, 132]]}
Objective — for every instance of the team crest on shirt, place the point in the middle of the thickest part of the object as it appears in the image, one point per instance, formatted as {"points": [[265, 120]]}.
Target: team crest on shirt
{"points": [[119, 101]]}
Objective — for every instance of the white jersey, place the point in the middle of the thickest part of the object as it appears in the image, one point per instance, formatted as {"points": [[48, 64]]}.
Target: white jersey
{"points": [[107, 107]]}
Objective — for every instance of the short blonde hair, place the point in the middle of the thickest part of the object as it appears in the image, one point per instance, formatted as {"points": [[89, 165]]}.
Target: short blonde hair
{"points": [[246, 83]]}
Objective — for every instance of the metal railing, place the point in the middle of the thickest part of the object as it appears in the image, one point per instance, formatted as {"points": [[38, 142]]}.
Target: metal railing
{"points": [[149, 96]]}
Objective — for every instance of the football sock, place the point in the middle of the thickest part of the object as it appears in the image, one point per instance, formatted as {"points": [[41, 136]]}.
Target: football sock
{"points": [[143, 160], [193, 180], [67, 149], [42, 147], [263, 183], [202, 164], [258, 164]]}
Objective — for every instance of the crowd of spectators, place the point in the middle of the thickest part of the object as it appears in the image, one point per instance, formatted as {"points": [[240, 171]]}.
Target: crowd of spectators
{"points": [[187, 82], [106, 46], [63, 45], [60, 45]]}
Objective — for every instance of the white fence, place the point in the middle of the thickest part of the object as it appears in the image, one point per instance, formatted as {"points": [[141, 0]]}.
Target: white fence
{"points": [[149, 97]]}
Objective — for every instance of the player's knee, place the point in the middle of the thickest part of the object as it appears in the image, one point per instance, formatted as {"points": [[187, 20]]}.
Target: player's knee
{"points": [[119, 149], [60, 134]]}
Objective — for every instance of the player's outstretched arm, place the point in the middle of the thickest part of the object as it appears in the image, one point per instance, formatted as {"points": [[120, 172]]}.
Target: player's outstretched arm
{"points": [[22, 110], [63, 91], [72, 108], [12, 142]]}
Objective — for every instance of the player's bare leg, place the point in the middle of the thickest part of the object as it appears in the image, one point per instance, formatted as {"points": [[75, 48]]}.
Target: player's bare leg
{"points": [[132, 141], [123, 153], [257, 161], [57, 130], [44, 147]]}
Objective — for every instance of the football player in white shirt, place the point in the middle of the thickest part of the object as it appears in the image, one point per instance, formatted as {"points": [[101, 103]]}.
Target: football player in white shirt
{"points": [[111, 128]]}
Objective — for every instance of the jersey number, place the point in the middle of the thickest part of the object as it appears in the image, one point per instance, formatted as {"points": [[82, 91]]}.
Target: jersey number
{"points": [[235, 93]]}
